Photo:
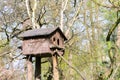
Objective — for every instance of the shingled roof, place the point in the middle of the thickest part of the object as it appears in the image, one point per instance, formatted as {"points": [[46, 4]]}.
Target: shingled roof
{"points": [[41, 32]]}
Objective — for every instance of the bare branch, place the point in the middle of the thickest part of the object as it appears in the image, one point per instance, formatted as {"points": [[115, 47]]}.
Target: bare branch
{"points": [[112, 29], [63, 7], [107, 6], [33, 14], [74, 68], [71, 22], [1, 55], [29, 10]]}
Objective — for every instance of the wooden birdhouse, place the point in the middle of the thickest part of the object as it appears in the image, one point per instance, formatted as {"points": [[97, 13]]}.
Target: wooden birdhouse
{"points": [[43, 42]]}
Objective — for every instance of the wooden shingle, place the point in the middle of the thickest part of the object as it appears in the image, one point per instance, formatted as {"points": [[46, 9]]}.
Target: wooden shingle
{"points": [[41, 32]]}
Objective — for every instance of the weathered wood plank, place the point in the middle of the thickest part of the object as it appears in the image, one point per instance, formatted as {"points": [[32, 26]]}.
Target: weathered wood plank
{"points": [[29, 68]]}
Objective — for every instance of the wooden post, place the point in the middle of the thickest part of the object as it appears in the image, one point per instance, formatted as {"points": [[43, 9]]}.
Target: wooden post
{"points": [[29, 68], [55, 67], [38, 68]]}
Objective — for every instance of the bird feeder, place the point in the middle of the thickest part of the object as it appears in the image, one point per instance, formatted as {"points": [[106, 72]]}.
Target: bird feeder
{"points": [[44, 42]]}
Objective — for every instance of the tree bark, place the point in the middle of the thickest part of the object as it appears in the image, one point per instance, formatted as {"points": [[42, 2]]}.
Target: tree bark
{"points": [[112, 29], [38, 68], [63, 7], [29, 68], [32, 13], [55, 67], [29, 10]]}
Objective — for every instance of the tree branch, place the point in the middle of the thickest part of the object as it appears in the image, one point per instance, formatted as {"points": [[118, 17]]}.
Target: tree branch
{"points": [[4, 53], [63, 7], [112, 29], [74, 68], [29, 10], [110, 6]]}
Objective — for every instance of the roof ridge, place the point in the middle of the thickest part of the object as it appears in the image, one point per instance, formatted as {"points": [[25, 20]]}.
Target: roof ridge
{"points": [[40, 32]]}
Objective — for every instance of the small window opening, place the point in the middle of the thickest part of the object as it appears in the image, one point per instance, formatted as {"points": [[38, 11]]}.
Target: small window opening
{"points": [[54, 39], [58, 42]]}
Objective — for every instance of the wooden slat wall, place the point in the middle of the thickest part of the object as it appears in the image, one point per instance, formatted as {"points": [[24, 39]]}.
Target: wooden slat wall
{"points": [[42, 45]]}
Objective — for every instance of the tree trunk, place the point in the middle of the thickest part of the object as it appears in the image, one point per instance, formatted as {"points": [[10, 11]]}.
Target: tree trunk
{"points": [[38, 68], [29, 68], [118, 37], [63, 7], [55, 67]]}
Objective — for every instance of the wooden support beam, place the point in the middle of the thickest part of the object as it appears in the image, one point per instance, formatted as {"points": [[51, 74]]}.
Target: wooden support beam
{"points": [[29, 68], [38, 68], [55, 67]]}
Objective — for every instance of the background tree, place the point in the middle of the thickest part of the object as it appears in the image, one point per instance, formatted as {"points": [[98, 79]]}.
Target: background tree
{"points": [[86, 24]]}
